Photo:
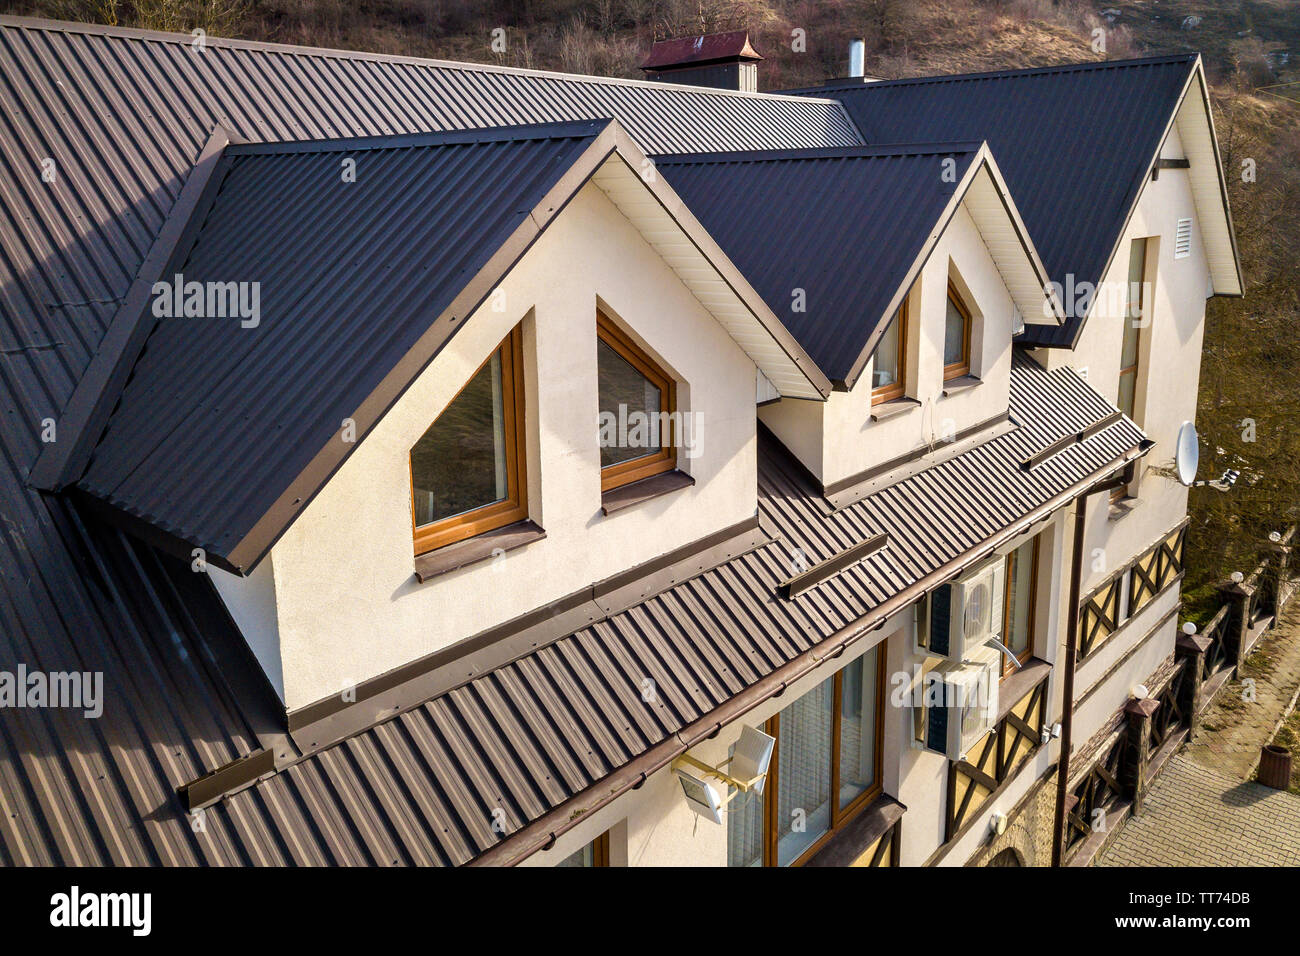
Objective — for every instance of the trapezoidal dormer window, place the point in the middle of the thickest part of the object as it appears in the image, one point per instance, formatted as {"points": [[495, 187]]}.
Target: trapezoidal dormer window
{"points": [[467, 470], [956, 336], [889, 364], [637, 402]]}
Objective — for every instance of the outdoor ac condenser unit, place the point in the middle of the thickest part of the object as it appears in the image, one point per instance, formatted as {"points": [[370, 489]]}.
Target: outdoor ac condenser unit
{"points": [[961, 702], [963, 614]]}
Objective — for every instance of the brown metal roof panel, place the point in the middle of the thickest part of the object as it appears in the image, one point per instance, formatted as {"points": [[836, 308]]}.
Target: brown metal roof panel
{"points": [[617, 688], [437, 735], [394, 828], [713, 678], [410, 777], [556, 740], [587, 701], [521, 762], [485, 758], [662, 652]]}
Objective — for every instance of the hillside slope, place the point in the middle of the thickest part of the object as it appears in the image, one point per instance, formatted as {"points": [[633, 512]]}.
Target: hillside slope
{"points": [[1251, 365]]}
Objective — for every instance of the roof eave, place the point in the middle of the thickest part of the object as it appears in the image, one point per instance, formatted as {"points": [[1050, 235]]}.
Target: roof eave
{"points": [[541, 833]]}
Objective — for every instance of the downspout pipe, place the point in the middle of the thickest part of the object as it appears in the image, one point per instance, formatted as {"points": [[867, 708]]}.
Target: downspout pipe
{"points": [[1071, 658]]}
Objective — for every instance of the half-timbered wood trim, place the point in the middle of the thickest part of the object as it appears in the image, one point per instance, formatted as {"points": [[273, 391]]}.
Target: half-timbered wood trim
{"points": [[998, 757], [1102, 611]]}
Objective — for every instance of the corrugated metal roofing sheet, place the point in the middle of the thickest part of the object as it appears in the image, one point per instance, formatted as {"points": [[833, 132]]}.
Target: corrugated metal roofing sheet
{"points": [[1074, 143], [528, 736], [826, 237], [217, 419], [423, 787], [121, 117]]}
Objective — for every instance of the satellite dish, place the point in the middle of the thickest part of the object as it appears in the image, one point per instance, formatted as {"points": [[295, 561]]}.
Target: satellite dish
{"points": [[1188, 454]]}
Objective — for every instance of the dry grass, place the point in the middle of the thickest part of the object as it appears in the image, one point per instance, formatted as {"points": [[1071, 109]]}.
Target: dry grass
{"points": [[1288, 736]]}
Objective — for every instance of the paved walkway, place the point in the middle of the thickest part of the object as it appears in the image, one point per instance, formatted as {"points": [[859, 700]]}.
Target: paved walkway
{"points": [[1202, 810], [1196, 817]]}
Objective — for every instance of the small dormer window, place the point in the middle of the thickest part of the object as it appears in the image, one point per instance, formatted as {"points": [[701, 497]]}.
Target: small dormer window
{"points": [[889, 373], [637, 401], [467, 470], [956, 336]]}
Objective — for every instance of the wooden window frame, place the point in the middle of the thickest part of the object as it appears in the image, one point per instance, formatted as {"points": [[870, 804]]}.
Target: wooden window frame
{"points": [[514, 507], [958, 369], [839, 818], [898, 388], [665, 459], [1128, 320], [600, 850], [1024, 656]]}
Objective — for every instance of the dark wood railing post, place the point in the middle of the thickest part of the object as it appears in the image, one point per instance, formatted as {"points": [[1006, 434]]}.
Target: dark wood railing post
{"points": [[1281, 571], [1190, 650], [1133, 770], [1236, 631]]}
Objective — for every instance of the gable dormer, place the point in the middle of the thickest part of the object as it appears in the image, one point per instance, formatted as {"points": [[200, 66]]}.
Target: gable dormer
{"points": [[905, 272], [491, 350]]}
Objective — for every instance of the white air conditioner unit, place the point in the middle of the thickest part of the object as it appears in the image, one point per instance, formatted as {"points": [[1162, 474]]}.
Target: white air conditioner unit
{"points": [[963, 614], [961, 703]]}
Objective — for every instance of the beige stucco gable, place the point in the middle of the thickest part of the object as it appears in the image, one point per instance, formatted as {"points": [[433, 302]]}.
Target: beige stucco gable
{"points": [[347, 605], [843, 439]]}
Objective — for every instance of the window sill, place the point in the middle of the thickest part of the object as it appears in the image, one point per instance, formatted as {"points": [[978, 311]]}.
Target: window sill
{"points": [[1122, 508], [625, 496], [453, 557], [1014, 687], [895, 406], [962, 383], [857, 836]]}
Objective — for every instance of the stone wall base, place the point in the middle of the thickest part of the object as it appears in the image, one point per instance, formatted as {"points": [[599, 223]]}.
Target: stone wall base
{"points": [[1029, 828]]}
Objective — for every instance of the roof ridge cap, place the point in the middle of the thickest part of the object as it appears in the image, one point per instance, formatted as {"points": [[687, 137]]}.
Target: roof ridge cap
{"points": [[160, 36], [523, 132], [1049, 70]]}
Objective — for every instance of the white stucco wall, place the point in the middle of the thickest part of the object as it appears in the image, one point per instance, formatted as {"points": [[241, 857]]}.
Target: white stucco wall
{"points": [[348, 606], [1169, 364], [251, 603], [838, 439]]}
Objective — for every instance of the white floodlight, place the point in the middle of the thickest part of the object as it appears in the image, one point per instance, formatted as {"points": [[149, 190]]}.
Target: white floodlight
{"points": [[747, 764], [752, 756], [701, 797]]}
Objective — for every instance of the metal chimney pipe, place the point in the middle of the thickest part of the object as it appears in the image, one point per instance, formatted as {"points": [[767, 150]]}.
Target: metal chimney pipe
{"points": [[857, 57]]}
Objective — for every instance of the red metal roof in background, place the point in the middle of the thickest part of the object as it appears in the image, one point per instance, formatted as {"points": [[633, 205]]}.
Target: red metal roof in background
{"points": [[694, 51]]}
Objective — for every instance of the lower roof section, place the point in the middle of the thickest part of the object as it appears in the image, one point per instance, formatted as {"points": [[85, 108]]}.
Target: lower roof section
{"points": [[544, 738]]}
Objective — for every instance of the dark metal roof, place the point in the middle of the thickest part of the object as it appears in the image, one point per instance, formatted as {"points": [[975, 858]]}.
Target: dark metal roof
{"points": [[845, 226], [1074, 143], [217, 420], [545, 738], [124, 114], [699, 50]]}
